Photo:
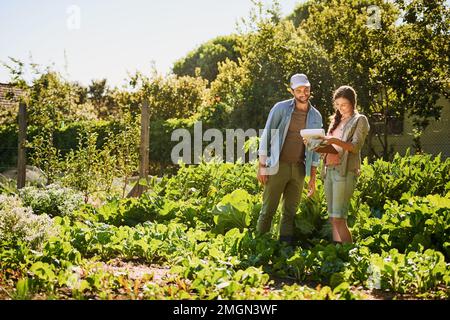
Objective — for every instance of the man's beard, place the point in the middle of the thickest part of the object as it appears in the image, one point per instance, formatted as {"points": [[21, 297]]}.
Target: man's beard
{"points": [[302, 100]]}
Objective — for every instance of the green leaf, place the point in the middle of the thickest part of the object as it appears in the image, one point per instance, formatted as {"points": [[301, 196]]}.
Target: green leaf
{"points": [[43, 271], [234, 211]]}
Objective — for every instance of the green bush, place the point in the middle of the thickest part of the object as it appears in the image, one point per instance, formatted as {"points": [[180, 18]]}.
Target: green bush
{"points": [[173, 97], [418, 175], [19, 223], [207, 56], [64, 138], [160, 137], [233, 211], [53, 200], [124, 212], [8, 146], [407, 225], [213, 180], [412, 272], [311, 221]]}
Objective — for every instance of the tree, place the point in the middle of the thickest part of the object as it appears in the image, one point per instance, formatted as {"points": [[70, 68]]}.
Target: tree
{"points": [[301, 12], [204, 60], [51, 100], [173, 97], [272, 51], [422, 50], [387, 60], [100, 95]]}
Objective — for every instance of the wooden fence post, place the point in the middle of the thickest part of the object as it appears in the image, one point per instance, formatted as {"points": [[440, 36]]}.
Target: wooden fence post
{"points": [[21, 161], [144, 151]]}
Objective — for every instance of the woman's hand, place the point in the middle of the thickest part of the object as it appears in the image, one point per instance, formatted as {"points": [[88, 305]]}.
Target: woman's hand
{"points": [[330, 140], [338, 142]]}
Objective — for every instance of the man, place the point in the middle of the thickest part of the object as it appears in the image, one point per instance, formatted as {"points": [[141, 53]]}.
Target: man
{"points": [[283, 159]]}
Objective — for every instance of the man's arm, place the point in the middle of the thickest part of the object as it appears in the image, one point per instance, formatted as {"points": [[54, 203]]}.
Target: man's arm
{"points": [[266, 136], [264, 146], [262, 171], [316, 155], [315, 163]]}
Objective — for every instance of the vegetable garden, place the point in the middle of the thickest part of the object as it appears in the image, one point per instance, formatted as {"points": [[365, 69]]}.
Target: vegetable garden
{"points": [[74, 234], [192, 236]]}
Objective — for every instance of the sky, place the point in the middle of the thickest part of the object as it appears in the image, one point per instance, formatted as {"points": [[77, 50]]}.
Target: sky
{"points": [[87, 40]]}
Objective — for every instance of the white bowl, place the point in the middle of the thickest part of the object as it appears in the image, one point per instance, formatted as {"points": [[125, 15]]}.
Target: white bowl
{"points": [[312, 133]]}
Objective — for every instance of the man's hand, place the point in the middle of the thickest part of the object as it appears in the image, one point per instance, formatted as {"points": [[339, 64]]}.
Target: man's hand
{"points": [[311, 187], [262, 177], [312, 182]]}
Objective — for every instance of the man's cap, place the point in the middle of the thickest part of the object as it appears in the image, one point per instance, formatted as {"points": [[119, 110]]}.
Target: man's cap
{"points": [[298, 80]]}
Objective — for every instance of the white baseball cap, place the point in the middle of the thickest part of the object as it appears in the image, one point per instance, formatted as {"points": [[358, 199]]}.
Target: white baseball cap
{"points": [[298, 80]]}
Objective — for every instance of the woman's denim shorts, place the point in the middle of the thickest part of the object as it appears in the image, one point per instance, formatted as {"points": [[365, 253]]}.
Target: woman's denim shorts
{"points": [[338, 192]]}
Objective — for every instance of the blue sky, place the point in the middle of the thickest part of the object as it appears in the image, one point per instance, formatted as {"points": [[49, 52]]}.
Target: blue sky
{"points": [[114, 36]]}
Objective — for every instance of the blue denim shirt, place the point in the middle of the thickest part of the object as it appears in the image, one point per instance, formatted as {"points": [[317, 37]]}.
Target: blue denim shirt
{"points": [[276, 129]]}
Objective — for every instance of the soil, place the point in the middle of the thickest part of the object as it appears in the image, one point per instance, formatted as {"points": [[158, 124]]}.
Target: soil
{"points": [[156, 274]]}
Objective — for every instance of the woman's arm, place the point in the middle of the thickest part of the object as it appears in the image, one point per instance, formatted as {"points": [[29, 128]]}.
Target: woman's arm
{"points": [[348, 146], [357, 139]]}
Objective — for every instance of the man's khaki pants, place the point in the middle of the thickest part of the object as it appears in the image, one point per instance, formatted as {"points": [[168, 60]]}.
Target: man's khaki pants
{"points": [[289, 182]]}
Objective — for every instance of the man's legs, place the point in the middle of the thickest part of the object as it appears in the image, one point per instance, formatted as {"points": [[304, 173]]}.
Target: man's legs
{"points": [[291, 199], [271, 198]]}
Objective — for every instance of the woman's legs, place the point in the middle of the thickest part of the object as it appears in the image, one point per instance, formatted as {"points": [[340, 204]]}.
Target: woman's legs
{"points": [[341, 233], [336, 235], [339, 190]]}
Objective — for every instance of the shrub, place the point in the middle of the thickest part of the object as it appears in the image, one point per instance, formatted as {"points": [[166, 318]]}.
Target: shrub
{"points": [[18, 223], [53, 200], [419, 175], [407, 225]]}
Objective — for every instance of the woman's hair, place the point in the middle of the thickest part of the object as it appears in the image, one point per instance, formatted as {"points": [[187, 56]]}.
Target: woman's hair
{"points": [[348, 93]]}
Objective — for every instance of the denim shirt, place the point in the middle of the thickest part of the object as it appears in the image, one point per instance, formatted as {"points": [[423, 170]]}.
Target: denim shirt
{"points": [[276, 129]]}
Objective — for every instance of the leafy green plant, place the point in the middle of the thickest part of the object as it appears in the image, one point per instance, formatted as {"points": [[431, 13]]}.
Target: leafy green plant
{"points": [[311, 220], [409, 224], [45, 155], [413, 272], [84, 166], [24, 289], [7, 186], [19, 223], [233, 211], [122, 149], [53, 200], [418, 175], [127, 211], [44, 274]]}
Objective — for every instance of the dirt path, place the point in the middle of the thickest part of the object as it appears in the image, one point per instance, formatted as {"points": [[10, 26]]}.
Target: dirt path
{"points": [[137, 271], [142, 273]]}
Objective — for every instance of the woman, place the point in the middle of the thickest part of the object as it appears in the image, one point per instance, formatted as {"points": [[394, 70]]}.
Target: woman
{"points": [[347, 133]]}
